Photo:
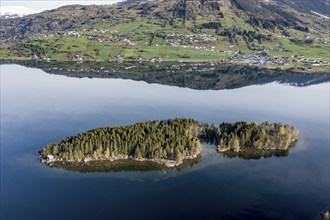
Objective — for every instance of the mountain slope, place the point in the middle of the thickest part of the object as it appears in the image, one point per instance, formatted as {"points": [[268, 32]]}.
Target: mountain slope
{"points": [[259, 13], [319, 6]]}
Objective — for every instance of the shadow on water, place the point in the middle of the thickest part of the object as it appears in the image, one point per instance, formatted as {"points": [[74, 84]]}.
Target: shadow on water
{"points": [[199, 76]]}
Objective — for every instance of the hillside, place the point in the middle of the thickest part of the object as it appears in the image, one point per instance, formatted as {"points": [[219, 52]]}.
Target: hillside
{"points": [[196, 30], [319, 6]]}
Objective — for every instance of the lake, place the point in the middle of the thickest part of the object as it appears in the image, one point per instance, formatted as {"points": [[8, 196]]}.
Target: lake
{"points": [[38, 108]]}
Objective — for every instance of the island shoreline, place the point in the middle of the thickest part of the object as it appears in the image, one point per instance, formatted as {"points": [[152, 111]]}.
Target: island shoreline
{"points": [[164, 162]]}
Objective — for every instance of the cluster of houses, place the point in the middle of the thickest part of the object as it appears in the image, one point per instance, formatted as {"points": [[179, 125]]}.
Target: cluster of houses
{"points": [[196, 47], [263, 58], [181, 40], [101, 38], [187, 67], [95, 37], [259, 58], [190, 38], [192, 41]]}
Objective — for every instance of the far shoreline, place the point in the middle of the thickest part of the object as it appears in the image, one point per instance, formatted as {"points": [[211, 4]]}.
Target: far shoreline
{"points": [[284, 69]]}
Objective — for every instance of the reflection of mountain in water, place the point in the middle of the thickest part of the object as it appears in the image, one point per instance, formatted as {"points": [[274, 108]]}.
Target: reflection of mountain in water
{"points": [[201, 76], [301, 80]]}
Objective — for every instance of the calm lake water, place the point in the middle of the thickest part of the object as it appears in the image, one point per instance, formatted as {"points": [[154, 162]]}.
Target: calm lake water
{"points": [[38, 108]]}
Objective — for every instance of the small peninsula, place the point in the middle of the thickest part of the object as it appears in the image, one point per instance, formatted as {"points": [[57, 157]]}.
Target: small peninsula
{"points": [[166, 142], [243, 136]]}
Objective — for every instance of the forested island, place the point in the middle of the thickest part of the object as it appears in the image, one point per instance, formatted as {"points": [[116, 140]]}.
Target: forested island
{"points": [[166, 142]]}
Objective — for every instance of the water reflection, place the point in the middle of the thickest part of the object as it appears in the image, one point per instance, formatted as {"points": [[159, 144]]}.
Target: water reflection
{"points": [[256, 155], [201, 76], [208, 157]]}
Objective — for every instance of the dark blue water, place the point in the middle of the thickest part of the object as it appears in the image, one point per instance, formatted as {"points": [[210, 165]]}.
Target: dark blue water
{"points": [[38, 108]]}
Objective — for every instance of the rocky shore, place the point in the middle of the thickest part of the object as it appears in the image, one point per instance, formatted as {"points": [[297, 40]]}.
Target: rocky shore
{"points": [[50, 160]]}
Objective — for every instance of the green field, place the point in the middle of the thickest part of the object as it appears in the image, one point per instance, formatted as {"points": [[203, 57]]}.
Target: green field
{"points": [[143, 39]]}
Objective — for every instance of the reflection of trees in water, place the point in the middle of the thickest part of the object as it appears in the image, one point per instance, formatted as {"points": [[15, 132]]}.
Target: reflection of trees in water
{"points": [[256, 154], [147, 166], [122, 166], [190, 75]]}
